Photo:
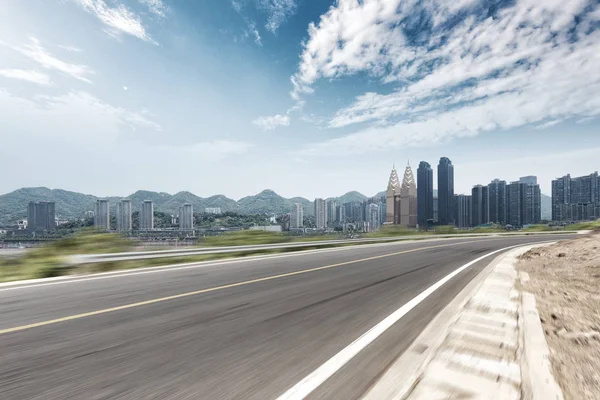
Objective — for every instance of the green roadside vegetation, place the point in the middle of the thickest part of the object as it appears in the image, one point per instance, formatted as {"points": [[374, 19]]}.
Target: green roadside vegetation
{"points": [[585, 226]]}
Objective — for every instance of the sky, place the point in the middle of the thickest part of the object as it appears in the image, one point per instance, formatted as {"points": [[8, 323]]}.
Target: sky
{"points": [[307, 98]]}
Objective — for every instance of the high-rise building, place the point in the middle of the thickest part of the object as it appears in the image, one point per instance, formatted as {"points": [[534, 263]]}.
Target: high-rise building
{"points": [[497, 196], [332, 206], [392, 199], [297, 216], [576, 199], [445, 191], [341, 214], [41, 216], [147, 215], [513, 201], [436, 207], [524, 202], [124, 220], [408, 199], [528, 180], [102, 215], [186, 217], [320, 213], [424, 194], [373, 218], [480, 205], [463, 211]]}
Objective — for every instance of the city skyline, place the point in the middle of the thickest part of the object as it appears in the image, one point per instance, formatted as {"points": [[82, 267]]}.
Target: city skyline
{"points": [[202, 84]]}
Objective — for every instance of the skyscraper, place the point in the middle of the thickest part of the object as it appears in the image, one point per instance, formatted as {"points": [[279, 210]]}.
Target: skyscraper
{"points": [[480, 211], [41, 216], [296, 216], [373, 216], [445, 191], [531, 202], [186, 217], [392, 198], [147, 215], [331, 211], [320, 213], [513, 201], [463, 211], [102, 215], [424, 193], [408, 199], [497, 196], [124, 220]]}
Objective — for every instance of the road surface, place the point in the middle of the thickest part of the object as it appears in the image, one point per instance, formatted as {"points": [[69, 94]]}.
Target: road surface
{"points": [[249, 329]]}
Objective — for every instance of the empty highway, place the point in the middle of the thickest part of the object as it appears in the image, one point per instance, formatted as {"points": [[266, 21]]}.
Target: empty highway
{"points": [[244, 329]]}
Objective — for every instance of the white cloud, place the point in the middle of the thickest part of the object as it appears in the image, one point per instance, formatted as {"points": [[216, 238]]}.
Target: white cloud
{"points": [[117, 19], [549, 124], [157, 7], [524, 65], [254, 32], [36, 52], [26, 75], [279, 11], [72, 49], [272, 122]]}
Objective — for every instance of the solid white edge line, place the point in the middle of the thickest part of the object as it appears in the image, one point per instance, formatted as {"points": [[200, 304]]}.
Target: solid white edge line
{"points": [[307, 385]]}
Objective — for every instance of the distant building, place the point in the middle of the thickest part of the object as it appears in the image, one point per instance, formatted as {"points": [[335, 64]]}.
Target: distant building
{"points": [[297, 216], [213, 210], [497, 196], [392, 199], [41, 216], [408, 199], [436, 207], [576, 199], [102, 215], [124, 220], [424, 194], [463, 211], [267, 228], [341, 214], [320, 213], [528, 180], [22, 224], [374, 221], [186, 217], [480, 205], [524, 203], [445, 191], [147, 216], [332, 206]]}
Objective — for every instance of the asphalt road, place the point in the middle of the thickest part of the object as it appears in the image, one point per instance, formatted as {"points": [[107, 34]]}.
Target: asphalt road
{"points": [[248, 329]]}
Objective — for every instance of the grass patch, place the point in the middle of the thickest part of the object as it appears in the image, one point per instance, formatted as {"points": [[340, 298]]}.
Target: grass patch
{"points": [[585, 226]]}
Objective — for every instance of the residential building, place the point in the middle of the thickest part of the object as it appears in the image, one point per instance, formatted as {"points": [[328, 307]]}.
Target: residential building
{"points": [[373, 219], [576, 199], [320, 213], [147, 216], [213, 210], [186, 217], [524, 201], [445, 191], [341, 214], [358, 211], [297, 216], [497, 197], [41, 216], [436, 207], [102, 215], [480, 205], [424, 194], [332, 206], [124, 220], [392, 198], [463, 211], [513, 201], [408, 199]]}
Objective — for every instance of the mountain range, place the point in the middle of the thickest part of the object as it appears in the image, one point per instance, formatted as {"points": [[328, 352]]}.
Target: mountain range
{"points": [[70, 205]]}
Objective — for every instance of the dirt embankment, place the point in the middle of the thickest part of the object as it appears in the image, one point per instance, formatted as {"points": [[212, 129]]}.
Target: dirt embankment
{"points": [[565, 279]]}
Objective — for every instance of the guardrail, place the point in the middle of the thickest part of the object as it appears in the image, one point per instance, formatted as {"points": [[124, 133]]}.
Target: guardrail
{"points": [[141, 255]]}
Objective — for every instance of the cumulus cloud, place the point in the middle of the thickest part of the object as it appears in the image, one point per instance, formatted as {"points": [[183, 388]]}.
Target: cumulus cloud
{"points": [[118, 19], [26, 75], [37, 53], [272, 122], [458, 68]]}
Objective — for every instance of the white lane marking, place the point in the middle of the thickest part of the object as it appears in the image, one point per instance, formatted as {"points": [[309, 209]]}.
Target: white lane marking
{"points": [[307, 385], [178, 267]]}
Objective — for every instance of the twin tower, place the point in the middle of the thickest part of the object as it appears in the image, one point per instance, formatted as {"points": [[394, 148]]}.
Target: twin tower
{"points": [[401, 200]]}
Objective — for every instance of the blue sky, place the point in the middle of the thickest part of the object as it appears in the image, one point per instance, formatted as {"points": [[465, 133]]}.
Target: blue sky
{"points": [[309, 98]]}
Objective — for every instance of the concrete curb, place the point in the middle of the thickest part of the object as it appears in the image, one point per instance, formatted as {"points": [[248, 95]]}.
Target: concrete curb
{"points": [[487, 343]]}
